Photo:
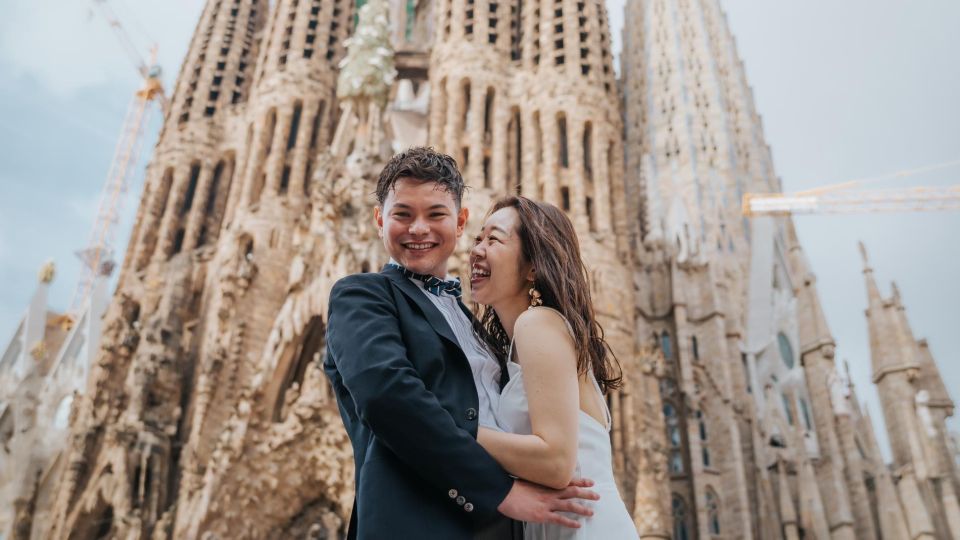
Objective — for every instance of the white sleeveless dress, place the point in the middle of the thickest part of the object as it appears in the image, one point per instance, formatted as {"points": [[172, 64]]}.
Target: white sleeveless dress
{"points": [[610, 519]]}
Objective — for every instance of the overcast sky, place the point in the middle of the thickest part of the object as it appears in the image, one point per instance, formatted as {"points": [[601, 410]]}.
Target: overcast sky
{"points": [[847, 90]]}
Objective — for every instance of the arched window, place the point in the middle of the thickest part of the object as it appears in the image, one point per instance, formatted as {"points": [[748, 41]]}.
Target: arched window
{"points": [[681, 527], [675, 437], [695, 347], [786, 408], [713, 512], [562, 133], [786, 350], [666, 346], [805, 411], [705, 448]]}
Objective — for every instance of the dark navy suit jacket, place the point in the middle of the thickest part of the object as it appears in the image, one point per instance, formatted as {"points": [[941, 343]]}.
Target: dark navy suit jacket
{"points": [[409, 403]]}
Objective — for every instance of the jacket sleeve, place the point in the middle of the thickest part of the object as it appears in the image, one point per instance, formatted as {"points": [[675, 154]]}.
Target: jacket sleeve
{"points": [[363, 335]]}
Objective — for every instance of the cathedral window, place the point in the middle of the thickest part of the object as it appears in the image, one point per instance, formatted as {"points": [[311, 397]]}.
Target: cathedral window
{"points": [[786, 408], [468, 28], [786, 350], [676, 462], [590, 217], [565, 198], [666, 346], [284, 179], [294, 125], [562, 129], [212, 190], [308, 171], [695, 347], [191, 188], [317, 121], [311, 36], [805, 412], [177, 241], [538, 136], [516, 31], [536, 36], [588, 150], [681, 525], [713, 512], [488, 117], [486, 172], [271, 126]]}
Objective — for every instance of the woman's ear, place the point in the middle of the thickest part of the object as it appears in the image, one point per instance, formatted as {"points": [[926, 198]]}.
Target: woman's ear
{"points": [[532, 275]]}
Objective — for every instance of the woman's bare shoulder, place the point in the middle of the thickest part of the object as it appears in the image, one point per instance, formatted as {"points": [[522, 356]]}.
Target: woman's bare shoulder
{"points": [[541, 318]]}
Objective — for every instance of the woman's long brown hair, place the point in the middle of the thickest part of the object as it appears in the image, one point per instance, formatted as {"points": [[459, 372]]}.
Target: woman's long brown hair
{"points": [[549, 243]]}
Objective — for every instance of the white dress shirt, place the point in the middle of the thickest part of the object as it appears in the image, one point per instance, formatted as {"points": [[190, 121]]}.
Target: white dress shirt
{"points": [[483, 364]]}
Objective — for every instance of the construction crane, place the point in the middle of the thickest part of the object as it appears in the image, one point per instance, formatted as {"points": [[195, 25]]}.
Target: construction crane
{"points": [[840, 199], [97, 256]]}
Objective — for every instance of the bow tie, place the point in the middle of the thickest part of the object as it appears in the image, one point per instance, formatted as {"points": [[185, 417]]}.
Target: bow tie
{"points": [[433, 284]]}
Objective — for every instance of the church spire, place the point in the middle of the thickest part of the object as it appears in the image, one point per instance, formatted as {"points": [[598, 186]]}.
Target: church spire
{"points": [[892, 346]]}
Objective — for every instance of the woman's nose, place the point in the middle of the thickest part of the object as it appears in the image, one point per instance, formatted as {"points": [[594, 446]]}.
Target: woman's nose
{"points": [[477, 251]]}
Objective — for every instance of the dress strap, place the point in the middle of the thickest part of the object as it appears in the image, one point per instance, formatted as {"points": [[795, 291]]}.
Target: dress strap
{"points": [[603, 400]]}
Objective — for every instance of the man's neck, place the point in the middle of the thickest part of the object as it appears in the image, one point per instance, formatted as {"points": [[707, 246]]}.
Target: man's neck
{"points": [[447, 277]]}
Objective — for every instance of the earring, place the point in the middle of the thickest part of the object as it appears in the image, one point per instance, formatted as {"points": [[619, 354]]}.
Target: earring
{"points": [[535, 299]]}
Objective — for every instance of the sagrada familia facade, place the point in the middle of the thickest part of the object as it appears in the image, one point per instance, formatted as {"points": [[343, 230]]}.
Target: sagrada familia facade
{"points": [[202, 412]]}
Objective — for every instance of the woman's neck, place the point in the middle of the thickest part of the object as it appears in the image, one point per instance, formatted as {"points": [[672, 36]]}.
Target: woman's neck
{"points": [[509, 310]]}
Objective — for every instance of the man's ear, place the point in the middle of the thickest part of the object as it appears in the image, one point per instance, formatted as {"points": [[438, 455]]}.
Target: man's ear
{"points": [[462, 216], [378, 217]]}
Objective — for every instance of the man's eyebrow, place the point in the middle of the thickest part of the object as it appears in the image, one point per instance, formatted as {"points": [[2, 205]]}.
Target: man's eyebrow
{"points": [[434, 207]]}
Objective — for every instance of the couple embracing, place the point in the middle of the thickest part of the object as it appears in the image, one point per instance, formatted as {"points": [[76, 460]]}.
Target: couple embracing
{"points": [[488, 426]]}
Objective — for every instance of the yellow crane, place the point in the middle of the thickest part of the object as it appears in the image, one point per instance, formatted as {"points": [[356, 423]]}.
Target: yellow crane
{"points": [[97, 256], [840, 199]]}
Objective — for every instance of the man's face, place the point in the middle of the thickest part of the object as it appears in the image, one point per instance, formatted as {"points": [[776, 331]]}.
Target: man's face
{"points": [[420, 225]]}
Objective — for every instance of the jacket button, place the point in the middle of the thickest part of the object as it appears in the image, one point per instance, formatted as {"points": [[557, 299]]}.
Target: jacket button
{"points": [[468, 507], [452, 493], [471, 414], [461, 499]]}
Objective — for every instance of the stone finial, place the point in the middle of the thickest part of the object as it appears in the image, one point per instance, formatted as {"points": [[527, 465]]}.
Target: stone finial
{"points": [[47, 272], [863, 255], [896, 293], [39, 351], [367, 71]]}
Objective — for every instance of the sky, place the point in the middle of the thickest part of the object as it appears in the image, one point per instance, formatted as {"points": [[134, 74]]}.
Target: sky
{"points": [[847, 90]]}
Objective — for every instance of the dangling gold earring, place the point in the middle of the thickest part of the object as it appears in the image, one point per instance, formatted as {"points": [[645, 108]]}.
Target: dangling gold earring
{"points": [[535, 299]]}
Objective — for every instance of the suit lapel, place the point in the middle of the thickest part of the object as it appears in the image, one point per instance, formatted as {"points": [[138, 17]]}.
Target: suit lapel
{"points": [[430, 311]]}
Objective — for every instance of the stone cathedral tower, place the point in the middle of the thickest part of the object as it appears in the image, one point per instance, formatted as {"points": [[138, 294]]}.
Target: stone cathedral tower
{"points": [[915, 408], [206, 415], [763, 439]]}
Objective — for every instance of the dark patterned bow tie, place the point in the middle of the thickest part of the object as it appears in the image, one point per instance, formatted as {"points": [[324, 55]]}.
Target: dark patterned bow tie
{"points": [[433, 284]]}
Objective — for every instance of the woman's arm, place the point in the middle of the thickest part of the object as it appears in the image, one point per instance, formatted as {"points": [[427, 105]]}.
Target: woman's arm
{"points": [[548, 357]]}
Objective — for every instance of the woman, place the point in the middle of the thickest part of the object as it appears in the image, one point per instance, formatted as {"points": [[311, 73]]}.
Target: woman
{"points": [[527, 271]]}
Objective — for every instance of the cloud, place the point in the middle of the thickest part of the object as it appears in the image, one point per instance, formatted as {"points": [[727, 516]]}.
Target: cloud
{"points": [[67, 45]]}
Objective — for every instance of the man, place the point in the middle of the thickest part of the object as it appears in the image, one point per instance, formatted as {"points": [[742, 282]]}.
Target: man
{"points": [[406, 388]]}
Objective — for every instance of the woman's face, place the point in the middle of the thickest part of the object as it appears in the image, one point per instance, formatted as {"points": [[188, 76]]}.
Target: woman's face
{"points": [[498, 271]]}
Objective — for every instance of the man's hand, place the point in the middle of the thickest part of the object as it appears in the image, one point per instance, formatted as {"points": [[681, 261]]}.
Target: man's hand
{"points": [[537, 504]]}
